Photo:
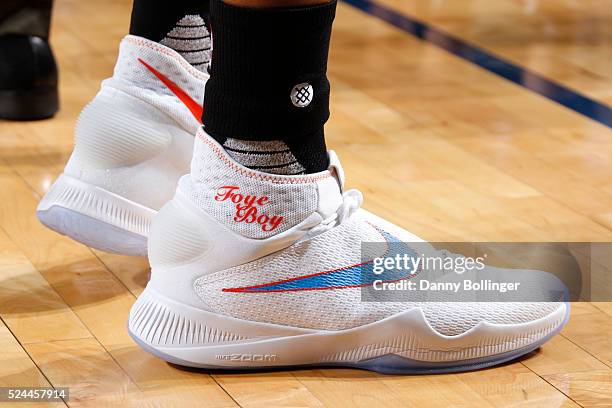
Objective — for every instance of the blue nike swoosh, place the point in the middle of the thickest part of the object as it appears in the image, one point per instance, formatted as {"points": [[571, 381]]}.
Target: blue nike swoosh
{"points": [[342, 278]]}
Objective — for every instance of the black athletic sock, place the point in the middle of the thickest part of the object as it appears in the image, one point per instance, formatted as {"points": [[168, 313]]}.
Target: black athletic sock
{"points": [[268, 96], [179, 24]]}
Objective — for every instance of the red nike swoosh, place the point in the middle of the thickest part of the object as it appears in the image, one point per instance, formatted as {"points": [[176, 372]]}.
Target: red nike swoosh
{"points": [[194, 107]]}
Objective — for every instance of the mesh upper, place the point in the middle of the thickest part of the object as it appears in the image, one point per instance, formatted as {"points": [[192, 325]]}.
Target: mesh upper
{"points": [[334, 305], [342, 308]]}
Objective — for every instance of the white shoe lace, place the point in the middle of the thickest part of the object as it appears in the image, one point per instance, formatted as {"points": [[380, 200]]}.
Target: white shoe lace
{"points": [[351, 202]]}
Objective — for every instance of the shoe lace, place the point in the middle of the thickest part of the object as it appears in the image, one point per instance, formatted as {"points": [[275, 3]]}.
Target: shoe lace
{"points": [[351, 202]]}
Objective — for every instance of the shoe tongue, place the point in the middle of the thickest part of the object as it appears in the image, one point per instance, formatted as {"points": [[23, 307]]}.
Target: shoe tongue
{"points": [[336, 168]]}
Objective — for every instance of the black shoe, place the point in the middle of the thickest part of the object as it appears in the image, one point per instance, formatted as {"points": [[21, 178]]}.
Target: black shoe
{"points": [[28, 78]]}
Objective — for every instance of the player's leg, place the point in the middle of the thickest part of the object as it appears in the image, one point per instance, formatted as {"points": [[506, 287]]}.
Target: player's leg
{"points": [[28, 72], [252, 268], [268, 96]]}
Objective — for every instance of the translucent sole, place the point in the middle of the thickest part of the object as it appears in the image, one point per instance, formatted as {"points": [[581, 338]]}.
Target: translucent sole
{"points": [[400, 344], [387, 364], [95, 217], [93, 233]]}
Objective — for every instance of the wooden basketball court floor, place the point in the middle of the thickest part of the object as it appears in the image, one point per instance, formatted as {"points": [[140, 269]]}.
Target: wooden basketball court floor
{"points": [[438, 145]]}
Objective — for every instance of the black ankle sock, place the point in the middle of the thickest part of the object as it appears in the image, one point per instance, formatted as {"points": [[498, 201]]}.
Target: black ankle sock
{"points": [[303, 155], [179, 24], [268, 82]]}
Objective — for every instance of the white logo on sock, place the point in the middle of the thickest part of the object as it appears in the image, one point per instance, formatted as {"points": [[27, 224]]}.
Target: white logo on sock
{"points": [[302, 94]]}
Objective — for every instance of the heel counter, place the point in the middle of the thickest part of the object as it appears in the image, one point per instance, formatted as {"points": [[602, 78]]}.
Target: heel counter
{"points": [[176, 238], [117, 130], [179, 247]]}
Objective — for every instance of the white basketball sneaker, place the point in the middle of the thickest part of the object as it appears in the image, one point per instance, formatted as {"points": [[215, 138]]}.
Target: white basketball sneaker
{"points": [[132, 143], [253, 270]]}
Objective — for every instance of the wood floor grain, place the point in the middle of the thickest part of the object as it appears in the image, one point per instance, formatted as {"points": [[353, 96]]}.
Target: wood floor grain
{"points": [[438, 146]]}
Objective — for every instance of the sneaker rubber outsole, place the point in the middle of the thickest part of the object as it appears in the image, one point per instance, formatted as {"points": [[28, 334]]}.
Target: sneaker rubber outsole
{"points": [[95, 217]]}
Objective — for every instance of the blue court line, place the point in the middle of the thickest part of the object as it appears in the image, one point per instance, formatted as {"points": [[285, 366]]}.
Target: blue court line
{"points": [[492, 63]]}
